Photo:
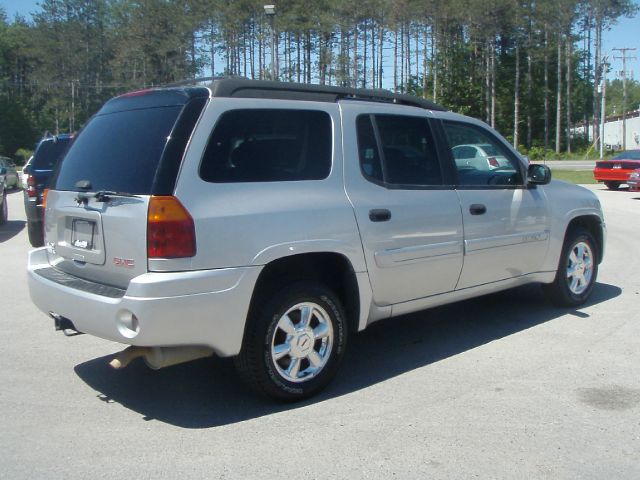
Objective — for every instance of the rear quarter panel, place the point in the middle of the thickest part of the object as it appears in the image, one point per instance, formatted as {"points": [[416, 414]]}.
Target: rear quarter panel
{"points": [[253, 223]]}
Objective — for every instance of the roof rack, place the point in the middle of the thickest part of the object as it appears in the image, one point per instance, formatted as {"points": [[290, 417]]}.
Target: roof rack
{"points": [[238, 87]]}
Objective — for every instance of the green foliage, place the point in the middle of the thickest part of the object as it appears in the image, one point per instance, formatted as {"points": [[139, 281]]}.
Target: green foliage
{"points": [[23, 155], [57, 69], [615, 96]]}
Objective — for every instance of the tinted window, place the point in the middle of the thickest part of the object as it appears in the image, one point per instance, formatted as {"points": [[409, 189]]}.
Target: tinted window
{"points": [[408, 154], [269, 145], [481, 159], [628, 155], [370, 163], [49, 152], [119, 151]]}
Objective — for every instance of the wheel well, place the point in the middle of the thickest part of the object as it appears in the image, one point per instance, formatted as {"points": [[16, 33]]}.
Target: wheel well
{"points": [[332, 269], [593, 225]]}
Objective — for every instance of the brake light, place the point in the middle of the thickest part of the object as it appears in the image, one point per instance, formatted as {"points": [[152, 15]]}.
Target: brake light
{"points": [[45, 194], [493, 162], [31, 186], [170, 229]]}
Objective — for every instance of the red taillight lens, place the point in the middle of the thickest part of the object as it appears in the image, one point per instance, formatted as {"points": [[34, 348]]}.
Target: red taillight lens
{"points": [[493, 162], [31, 186], [170, 229]]}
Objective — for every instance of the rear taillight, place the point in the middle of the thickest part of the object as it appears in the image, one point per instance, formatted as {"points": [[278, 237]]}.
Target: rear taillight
{"points": [[45, 194], [493, 162], [31, 186], [170, 229]]}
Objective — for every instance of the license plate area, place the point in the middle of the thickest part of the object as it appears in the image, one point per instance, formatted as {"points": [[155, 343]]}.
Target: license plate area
{"points": [[83, 234]]}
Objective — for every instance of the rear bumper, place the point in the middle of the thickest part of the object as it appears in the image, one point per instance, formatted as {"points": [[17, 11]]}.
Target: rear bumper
{"points": [[166, 309], [611, 174]]}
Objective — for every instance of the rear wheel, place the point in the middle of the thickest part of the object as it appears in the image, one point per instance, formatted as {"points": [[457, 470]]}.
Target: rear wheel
{"points": [[294, 342], [36, 235], [612, 185], [577, 270], [4, 212]]}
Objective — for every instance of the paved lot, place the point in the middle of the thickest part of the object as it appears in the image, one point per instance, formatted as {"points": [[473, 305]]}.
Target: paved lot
{"points": [[501, 387]]}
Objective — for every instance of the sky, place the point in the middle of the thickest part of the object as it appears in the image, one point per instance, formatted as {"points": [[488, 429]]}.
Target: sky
{"points": [[625, 34]]}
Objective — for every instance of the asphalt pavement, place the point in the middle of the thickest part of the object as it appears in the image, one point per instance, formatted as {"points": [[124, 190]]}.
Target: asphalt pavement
{"points": [[505, 386]]}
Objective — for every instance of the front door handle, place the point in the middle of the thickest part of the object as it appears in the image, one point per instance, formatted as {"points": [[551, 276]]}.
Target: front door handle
{"points": [[477, 209], [379, 215]]}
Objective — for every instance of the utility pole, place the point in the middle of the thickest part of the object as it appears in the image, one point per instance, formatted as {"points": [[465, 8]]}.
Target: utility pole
{"points": [[603, 108], [624, 58], [270, 12]]}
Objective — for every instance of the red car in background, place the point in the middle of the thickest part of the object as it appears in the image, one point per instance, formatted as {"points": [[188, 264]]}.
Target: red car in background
{"points": [[616, 171]]}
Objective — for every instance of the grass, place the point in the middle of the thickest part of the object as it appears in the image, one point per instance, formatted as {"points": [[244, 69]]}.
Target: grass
{"points": [[574, 176]]}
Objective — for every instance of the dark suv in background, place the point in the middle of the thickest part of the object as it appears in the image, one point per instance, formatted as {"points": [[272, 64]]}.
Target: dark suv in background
{"points": [[47, 155]]}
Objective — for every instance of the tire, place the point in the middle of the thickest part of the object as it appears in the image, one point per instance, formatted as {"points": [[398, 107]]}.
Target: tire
{"points": [[4, 210], [577, 270], [282, 359], [36, 235], [612, 185]]}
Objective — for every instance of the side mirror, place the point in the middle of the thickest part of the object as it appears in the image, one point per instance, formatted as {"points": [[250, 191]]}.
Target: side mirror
{"points": [[538, 174], [27, 169]]}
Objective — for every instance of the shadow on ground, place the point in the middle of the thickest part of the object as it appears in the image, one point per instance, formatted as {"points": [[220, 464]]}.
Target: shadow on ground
{"points": [[11, 229], [206, 393]]}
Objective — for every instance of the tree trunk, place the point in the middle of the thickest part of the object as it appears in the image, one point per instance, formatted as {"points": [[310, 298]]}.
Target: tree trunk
{"points": [[516, 99], [559, 95], [546, 90], [395, 59], [380, 53], [568, 100]]}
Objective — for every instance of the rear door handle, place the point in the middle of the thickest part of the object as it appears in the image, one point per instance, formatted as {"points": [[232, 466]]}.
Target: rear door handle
{"points": [[379, 215], [477, 209]]}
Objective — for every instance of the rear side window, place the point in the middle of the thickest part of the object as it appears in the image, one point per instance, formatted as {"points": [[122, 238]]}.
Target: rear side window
{"points": [[256, 145], [408, 155], [48, 154], [119, 151]]}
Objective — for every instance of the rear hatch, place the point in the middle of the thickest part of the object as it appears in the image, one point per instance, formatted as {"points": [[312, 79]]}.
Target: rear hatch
{"points": [[96, 210]]}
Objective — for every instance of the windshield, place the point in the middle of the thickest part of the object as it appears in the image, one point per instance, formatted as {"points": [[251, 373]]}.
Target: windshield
{"points": [[628, 155], [49, 152], [119, 151]]}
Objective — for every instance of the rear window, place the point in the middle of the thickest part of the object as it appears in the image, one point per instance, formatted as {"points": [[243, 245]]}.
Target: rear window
{"points": [[268, 146], [119, 151], [48, 153], [628, 155]]}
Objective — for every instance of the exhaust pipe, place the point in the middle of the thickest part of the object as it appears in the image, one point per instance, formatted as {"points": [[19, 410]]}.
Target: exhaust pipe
{"points": [[159, 357]]}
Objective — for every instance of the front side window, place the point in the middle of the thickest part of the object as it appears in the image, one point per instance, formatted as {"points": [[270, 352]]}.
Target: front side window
{"points": [[397, 150], [260, 145], [481, 159]]}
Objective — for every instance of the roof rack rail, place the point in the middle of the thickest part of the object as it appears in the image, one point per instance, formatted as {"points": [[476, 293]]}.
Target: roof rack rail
{"points": [[245, 88], [240, 87]]}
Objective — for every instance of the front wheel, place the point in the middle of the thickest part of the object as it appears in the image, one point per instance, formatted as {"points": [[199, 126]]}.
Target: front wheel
{"points": [[612, 185], [294, 342], [577, 270]]}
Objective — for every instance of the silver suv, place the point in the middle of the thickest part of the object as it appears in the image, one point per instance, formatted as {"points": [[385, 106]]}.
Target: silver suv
{"points": [[269, 221]]}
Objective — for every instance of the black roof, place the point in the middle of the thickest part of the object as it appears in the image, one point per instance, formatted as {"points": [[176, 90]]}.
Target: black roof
{"points": [[244, 88]]}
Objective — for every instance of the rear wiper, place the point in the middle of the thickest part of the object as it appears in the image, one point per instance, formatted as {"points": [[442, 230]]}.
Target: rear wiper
{"points": [[105, 195], [102, 196]]}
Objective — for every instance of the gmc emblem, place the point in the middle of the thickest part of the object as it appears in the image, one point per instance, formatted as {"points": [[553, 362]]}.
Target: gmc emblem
{"points": [[124, 262]]}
